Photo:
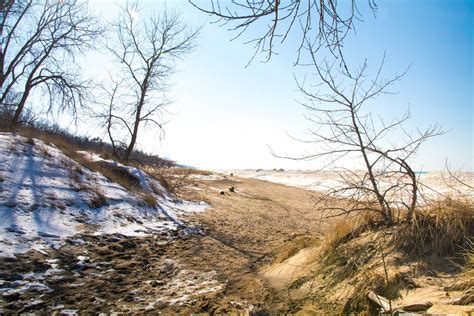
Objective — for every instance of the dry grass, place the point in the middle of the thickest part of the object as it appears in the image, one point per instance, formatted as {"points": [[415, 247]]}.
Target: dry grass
{"points": [[290, 248], [353, 252], [75, 173], [467, 273], [442, 229], [469, 267], [111, 172], [149, 199], [51, 139], [344, 230], [98, 199], [156, 189], [114, 173]]}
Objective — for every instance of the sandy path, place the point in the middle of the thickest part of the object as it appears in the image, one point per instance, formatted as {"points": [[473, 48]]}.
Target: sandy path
{"points": [[217, 270], [242, 232]]}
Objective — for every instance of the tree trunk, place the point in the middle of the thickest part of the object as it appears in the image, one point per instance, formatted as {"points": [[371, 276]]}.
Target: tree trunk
{"points": [[414, 194], [134, 135], [129, 150], [385, 210], [19, 109], [138, 117]]}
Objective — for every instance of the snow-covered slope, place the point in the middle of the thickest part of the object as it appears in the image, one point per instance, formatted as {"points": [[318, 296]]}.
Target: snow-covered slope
{"points": [[46, 198]]}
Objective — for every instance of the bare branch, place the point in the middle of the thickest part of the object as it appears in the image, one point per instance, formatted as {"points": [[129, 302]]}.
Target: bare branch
{"points": [[324, 23]]}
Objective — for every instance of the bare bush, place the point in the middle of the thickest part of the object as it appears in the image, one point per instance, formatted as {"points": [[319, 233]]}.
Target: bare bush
{"points": [[343, 130], [172, 179]]}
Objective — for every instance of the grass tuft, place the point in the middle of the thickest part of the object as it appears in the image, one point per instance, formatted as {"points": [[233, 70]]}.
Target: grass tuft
{"points": [[98, 198], [149, 199]]}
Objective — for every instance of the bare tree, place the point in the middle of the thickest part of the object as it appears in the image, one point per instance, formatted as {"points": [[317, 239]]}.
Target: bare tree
{"points": [[322, 22], [39, 43], [345, 130], [145, 51]]}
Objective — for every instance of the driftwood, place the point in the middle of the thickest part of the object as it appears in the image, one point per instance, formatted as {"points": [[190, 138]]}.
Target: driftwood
{"points": [[466, 298], [460, 286], [384, 303], [379, 301], [414, 307]]}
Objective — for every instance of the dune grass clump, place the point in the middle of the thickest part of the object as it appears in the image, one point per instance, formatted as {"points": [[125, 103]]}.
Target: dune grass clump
{"points": [[359, 254], [469, 267], [149, 199], [344, 230], [445, 228], [98, 198]]}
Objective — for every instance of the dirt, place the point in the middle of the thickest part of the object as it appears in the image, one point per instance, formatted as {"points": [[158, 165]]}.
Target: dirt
{"points": [[216, 269], [253, 252]]}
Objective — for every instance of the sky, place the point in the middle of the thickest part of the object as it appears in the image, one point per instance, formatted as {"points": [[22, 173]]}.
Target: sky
{"points": [[227, 116]]}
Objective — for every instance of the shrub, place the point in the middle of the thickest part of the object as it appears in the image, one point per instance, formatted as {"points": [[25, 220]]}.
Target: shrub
{"points": [[65, 140], [172, 179]]}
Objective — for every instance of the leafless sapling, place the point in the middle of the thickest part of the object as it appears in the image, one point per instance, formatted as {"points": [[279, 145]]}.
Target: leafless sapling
{"points": [[344, 129]]}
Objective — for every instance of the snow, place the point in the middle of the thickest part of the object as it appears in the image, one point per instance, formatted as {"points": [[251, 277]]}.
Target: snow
{"points": [[44, 199], [207, 177], [434, 183], [185, 286], [306, 179]]}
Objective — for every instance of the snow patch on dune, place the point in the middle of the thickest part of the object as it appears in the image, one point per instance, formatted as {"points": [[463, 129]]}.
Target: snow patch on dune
{"points": [[46, 197]]}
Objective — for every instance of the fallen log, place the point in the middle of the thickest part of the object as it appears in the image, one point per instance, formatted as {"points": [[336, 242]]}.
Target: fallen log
{"points": [[378, 300], [466, 298], [418, 307], [384, 303]]}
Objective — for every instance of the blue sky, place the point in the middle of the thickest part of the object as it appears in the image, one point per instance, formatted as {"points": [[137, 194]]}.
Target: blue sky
{"points": [[225, 115]]}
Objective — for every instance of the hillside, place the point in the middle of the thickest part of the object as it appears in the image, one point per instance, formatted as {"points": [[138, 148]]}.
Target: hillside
{"points": [[48, 197]]}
